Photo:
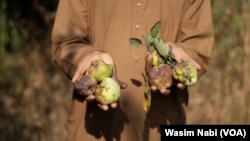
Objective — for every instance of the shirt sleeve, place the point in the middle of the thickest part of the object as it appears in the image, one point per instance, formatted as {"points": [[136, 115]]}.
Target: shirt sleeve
{"points": [[70, 40], [196, 32]]}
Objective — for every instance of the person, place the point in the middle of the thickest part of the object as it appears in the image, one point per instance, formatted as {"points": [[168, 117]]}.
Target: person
{"points": [[86, 30]]}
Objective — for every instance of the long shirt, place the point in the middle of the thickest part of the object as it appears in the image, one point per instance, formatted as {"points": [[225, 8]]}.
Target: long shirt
{"points": [[82, 26]]}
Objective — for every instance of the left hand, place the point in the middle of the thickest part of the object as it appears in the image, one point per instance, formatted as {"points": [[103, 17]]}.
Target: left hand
{"points": [[180, 55]]}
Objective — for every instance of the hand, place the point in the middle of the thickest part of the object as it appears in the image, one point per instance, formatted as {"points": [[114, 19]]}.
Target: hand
{"points": [[82, 68], [181, 55], [85, 62]]}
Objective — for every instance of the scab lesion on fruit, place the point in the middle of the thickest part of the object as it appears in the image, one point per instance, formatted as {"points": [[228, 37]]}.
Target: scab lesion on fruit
{"points": [[84, 84], [185, 72]]}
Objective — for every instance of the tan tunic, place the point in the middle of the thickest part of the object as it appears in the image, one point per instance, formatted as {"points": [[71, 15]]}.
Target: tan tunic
{"points": [[82, 26]]}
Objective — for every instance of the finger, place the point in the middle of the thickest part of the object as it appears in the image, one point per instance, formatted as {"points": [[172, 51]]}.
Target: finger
{"points": [[181, 58], [114, 72], [123, 85], [198, 67], [153, 88], [81, 69], [75, 77], [103, 107], [87, 92], [165, 91], [148, 63], [90, 98], [113, 105], [181, 86], [106, 57]]}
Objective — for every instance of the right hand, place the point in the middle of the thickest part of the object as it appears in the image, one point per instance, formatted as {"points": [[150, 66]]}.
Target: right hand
{"points": [[82, 68]]}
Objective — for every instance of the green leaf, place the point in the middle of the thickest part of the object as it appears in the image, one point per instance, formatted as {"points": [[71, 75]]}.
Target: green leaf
{"points": [[155, 29], [135, 41]]}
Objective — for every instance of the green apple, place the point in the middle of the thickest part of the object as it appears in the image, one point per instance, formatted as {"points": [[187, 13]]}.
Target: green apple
{"points": [[100, 70], [108, 91], [185, 72]]}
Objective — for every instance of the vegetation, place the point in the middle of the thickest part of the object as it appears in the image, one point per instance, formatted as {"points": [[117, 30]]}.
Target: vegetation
{"points": [[35, 94], [222, 94]]}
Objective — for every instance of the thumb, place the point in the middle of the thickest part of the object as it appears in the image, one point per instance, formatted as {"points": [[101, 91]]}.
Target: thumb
{"points": [[74, 78], [122, 84], [198, 67]]}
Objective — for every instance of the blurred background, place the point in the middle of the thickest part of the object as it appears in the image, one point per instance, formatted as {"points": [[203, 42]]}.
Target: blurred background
{"points": [[35, 95]]}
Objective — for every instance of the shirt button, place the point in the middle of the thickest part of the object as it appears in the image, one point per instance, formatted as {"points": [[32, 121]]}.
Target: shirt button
{"points": [[138, 4], [137, 26]]}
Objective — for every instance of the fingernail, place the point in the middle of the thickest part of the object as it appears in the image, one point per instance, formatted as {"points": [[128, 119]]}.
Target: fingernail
{"points": [[165, 91], [74, 78], [113, 105]]}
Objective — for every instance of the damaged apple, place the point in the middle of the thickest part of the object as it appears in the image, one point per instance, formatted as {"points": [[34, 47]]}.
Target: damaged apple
{"points": [[98, 81]]}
